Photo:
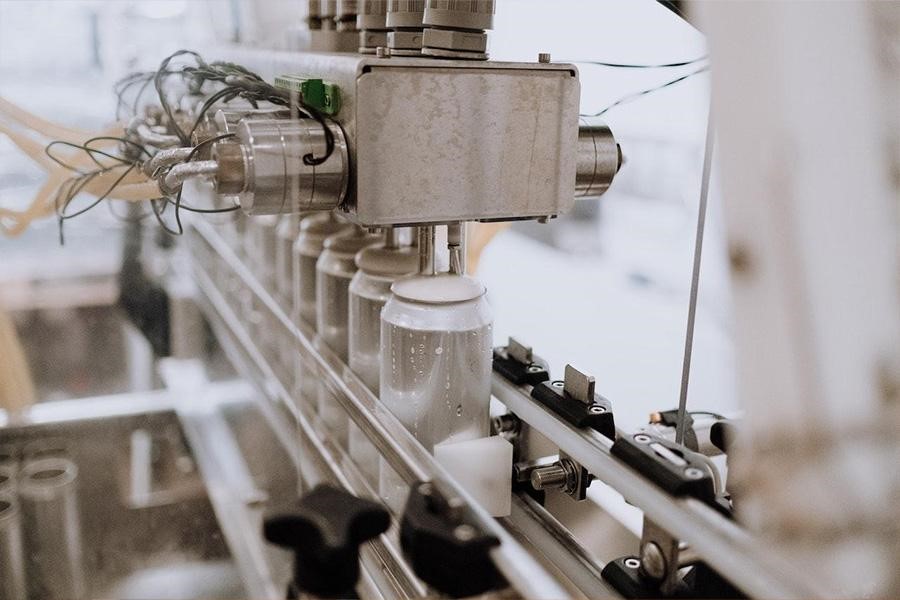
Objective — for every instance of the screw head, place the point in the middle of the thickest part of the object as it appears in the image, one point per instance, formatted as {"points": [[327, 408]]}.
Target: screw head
{"points": [[642, 438], [464, 532], [596, 409], [693, 473], [534, 369], [653, 563], [426, 489], [544, 57], [558, 384], [632, 563]]}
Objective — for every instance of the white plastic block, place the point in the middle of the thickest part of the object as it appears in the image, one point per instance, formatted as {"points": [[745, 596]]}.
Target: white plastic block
{"points": [[483, 467]]}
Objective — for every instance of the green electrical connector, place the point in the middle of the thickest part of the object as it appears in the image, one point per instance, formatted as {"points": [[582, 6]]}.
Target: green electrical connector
{"points": [[321, 95]]}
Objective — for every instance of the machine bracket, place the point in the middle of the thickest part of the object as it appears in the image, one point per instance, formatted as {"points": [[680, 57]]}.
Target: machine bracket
{"points": [[575, 401], [517, 363]]}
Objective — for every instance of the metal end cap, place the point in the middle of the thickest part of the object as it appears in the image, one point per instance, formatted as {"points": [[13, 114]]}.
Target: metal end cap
{"points": [[444, 288], [231, 176]]}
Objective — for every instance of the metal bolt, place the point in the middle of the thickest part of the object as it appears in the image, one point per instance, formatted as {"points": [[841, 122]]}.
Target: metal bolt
{"points": [[508, 423], [558, 384], [632, 563], [464, 532], [382, 52], [642, 438], [653, 563], [693, 473], [544, 57], [549, 477], [534, 369], [426, 489], [596, 409]]}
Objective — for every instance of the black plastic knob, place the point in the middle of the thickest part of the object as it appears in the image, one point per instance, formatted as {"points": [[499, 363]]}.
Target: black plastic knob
{"points": [[324, 530], [446, 549]]}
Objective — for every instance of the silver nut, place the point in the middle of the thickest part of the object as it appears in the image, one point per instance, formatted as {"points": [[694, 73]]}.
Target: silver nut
{"points": [[653, 563], [558, 384], [693, 473], [642, 438], [596, 409], [632, 563], [534, 369]]}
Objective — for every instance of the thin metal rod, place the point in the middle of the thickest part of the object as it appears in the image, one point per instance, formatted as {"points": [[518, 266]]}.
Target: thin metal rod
{"points": [[426, 250], [456, 244], [695, 279]]}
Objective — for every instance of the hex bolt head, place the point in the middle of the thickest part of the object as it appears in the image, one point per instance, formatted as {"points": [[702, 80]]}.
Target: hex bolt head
{"points": [[632, 563], [558, 384], [534, 369], [642, 438]]}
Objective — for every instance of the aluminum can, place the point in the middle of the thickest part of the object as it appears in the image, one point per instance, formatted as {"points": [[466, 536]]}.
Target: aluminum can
{"points": [[378, 267], [334, 271]]}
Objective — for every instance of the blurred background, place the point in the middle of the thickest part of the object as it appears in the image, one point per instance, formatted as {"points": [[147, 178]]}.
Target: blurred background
{"points": [[617, 270]]}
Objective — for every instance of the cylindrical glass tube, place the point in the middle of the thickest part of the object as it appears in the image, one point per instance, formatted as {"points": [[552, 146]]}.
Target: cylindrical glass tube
{"points": [[52, 528], [12, 556], [436, 347], [334, 271], [378, 268]]}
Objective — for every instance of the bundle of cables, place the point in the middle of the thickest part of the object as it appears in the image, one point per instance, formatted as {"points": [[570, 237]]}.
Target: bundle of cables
{"points": [[110, 164]]}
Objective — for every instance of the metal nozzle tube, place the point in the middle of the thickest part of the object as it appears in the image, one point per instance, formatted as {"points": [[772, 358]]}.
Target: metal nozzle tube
{"points": [[178, 174]]}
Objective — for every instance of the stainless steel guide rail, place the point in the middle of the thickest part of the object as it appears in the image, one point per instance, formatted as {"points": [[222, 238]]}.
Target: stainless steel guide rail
{"points": [[720, 542], [393, 442]]}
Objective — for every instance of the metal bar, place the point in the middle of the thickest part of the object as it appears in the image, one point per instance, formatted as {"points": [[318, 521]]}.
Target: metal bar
{"points": [[408, 458], [725, 546], [695, 279], [559, 546]]}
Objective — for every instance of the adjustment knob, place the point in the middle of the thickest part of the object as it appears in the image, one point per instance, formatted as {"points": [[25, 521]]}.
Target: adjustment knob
{"points": [[324, 530]]}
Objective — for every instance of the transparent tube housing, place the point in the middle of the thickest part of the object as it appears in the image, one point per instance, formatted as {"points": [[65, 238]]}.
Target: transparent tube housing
{"points": [[47, 492]]}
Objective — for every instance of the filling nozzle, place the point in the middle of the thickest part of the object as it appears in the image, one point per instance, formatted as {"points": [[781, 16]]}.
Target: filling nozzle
{"points": [[178, 174]]}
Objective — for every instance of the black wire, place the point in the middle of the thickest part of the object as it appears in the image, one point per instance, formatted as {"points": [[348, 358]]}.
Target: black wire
{"points": [[707, 413], [633, 66], [72, 192], [157, 83], [636, 95], [89, 151]]}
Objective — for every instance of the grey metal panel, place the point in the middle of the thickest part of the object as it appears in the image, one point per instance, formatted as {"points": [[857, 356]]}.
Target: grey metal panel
{"points": [[447, 144]]}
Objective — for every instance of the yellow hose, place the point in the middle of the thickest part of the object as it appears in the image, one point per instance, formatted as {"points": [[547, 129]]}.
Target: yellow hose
{"points": [[16, 385]]}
